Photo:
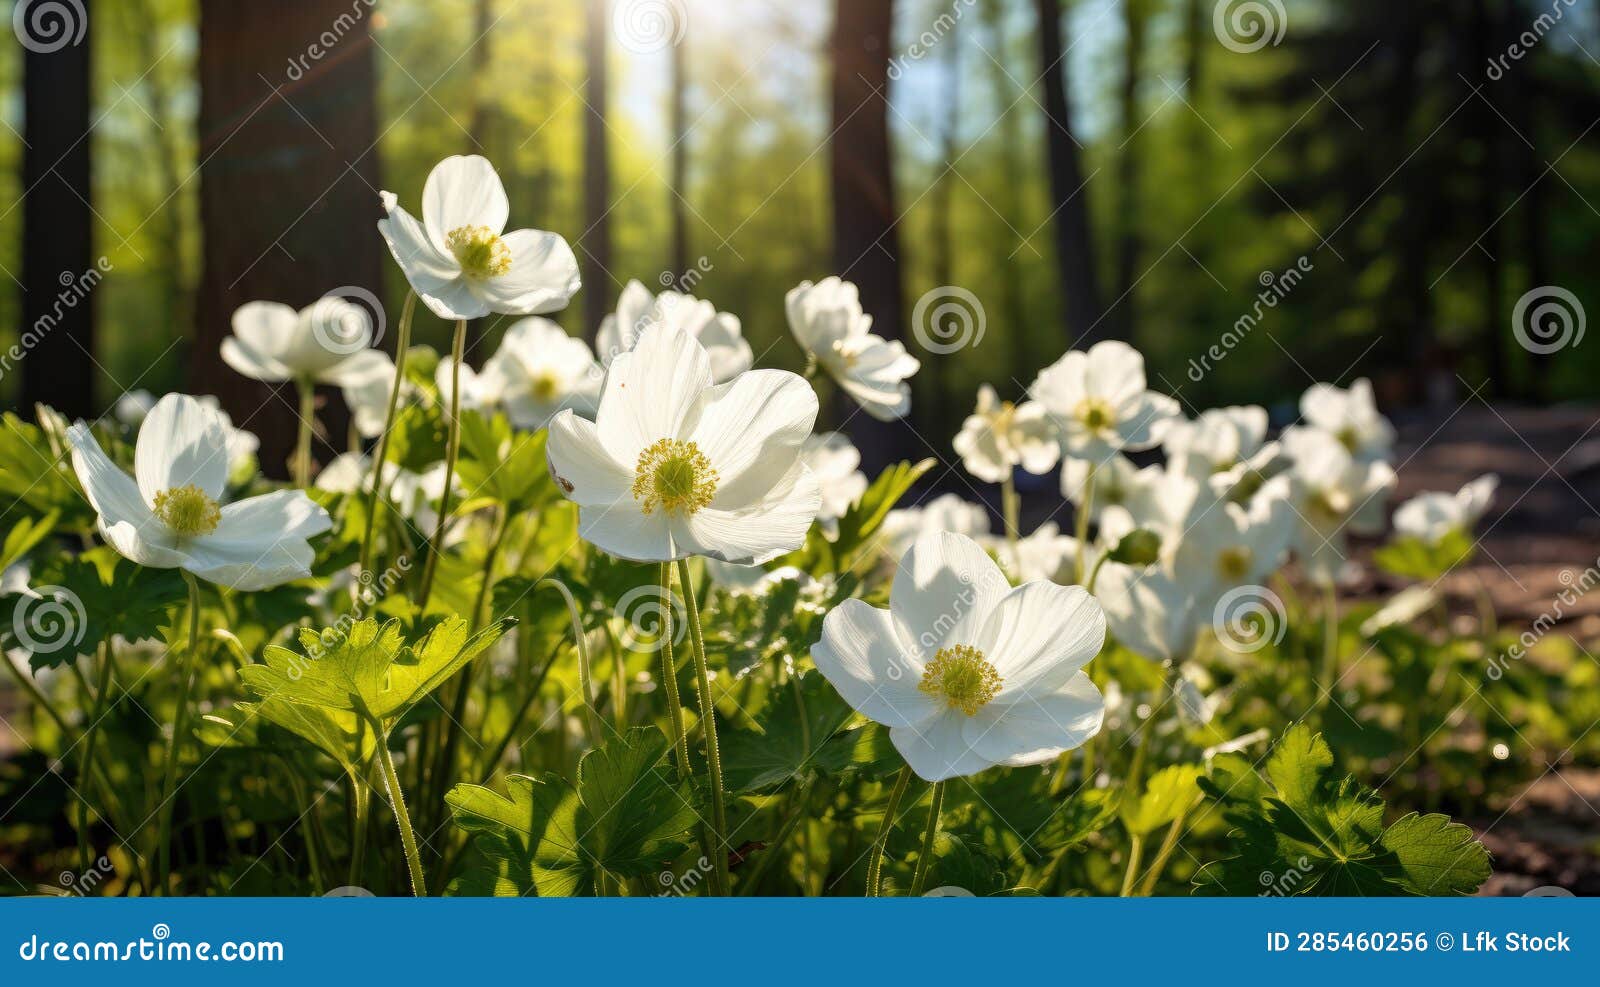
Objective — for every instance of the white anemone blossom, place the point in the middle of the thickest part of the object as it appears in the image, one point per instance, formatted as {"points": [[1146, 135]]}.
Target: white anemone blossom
{"points": [[1431, 517], [459, 259], [1333, 494], [965, 671], [833, 460], [169, 514], [718, 332], [1117, 483], [1351, 416], [1000, 436], [1099, 400], [327, 342], [828, 322], [674, 465], [480, 391], [540, 370], [1044, 554]]}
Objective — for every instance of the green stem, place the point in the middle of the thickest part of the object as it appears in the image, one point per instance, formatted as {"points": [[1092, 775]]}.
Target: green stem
{"points": [[1328, 679], [361, 799], [91, 735], [1010, 509], [919, 880], [1135, 853], [401, 346], [669, 675], [452, 450], [708, 726], [1168, 844], [188, 666], [496, 538], [397, 802], [750, 883], [879, 842], [585, 682], [308, 414], [1081, 522]]}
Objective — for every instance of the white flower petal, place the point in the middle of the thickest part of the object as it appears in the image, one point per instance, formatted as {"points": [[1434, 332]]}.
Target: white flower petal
{"points": [[182, 442], [1038, 636], [937, 749], [758, 532], [584, 470], [463, 190], [860, 655], [360, 369], [125, 519], [253, 364], [621, 529], [260, 542], [543, 275], [943, 590], [652, 392], [751, 429], [1041, 727]]}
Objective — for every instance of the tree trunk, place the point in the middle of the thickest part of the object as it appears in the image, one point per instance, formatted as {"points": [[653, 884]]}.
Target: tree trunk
{"points": [[59, 273], [1008, 197], [866, 241], [936, 397], [1135, 19], [1074, 245], [678, 262], [478, 125], [1488, 121], [595, 244], [288, 191]]}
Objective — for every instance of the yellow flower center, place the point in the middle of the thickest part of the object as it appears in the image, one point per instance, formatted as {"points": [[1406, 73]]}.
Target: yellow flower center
{"points": [[844, 354], [187, 510], [546, 387], [675, 477], [1233, 563], [1349, 438], [962, 678], [1096, 414], [480, 252], [1328, 508]]}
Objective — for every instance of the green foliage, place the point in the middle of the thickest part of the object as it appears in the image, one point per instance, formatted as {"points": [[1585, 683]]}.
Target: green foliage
{"points": [[86, 604], [502, 465], [625, 818], [859, 524], [1304, 830], [1413, 558], [36, 477], [1169, 794], [368, 669], [784, 744]]}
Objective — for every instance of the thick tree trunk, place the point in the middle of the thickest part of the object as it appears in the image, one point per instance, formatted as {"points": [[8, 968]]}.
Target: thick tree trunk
{"points": [[59, 272], [1008, 197], [1074, 246], [288, 190], [1124, 312], [866, 241], [594, 247]]}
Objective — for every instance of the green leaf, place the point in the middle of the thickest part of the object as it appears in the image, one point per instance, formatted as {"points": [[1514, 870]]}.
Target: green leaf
{"points": [[78, 605], [368, 668], [24, 535], [37, 478], [788, 736], [548, 837], [1170, 793], [865, 751], [503, 465], [337, 733], [1413, 558], [1437, 856]]}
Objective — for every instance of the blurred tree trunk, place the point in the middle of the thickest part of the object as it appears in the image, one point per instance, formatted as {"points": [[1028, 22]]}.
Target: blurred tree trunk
{"points": [[678, 185], [57, 239], [1487, 121], [1523, 105], [866, 241], [478, 125], [937, 399], [139, 22], [288, 191], [1024, 345], [594, 247], [1068, 192], [1135, 22]]}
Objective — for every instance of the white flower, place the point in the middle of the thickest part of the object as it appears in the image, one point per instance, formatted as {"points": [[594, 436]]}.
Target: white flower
{"points": [[368, 396], [459, 259], [829, 324], [1100, 402], [1001, 436], [479, 391], [965, 671], [1429, 517], [326, 342], [946, 512], [1349, 416], [170, 516], [1219, 440], [674, 466], [133, 406], [1117, 483], [1332, 494], [415, 495], [1225, 544], [539, 370], [718, 332], [832, 459], [1046, 554], [1149, 612]]}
